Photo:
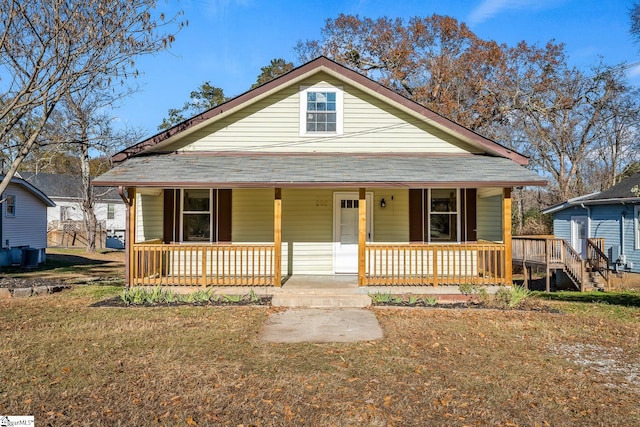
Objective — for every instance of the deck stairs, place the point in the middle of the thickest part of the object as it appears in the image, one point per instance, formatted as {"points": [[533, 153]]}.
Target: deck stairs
{"points": [[589, 273]]}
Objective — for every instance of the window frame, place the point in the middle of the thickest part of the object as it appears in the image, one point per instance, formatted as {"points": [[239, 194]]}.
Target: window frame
{"points": [[636, 225], [449, 213], [10, 201], [210, 212], [65, 213], [304, 91], [111, 211]]}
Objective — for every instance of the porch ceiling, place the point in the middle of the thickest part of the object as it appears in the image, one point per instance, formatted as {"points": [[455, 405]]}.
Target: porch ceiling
{"points": [[233, 170]]}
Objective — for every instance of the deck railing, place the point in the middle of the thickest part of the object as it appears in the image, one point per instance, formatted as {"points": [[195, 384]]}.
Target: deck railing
{"points": [[538, 249], [155, 263], [435, 264], [596, 258], [574, 265]]}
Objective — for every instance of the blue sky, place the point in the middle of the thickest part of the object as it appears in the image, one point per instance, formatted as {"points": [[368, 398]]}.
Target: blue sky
{"points": [[228, 41]]}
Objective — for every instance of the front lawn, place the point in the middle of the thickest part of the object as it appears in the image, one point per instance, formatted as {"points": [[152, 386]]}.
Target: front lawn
{"points": [[69, 363]]}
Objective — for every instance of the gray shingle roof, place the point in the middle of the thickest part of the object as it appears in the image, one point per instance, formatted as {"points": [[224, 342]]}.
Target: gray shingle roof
{"points": [[621, 190], [64, 186], [619, 193], [289, 170]]}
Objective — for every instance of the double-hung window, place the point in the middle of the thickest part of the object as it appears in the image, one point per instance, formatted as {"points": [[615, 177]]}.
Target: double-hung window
{"points": [[10, 203], [321, 111], [636, 225], [196, 215], [443, 215]]}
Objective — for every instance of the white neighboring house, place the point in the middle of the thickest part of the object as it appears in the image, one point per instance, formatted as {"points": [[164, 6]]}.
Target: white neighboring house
{"points": [[23, 222], [65, 191]]}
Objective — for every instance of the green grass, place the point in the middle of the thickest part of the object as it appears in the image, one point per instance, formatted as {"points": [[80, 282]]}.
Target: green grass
{"points": [[96, 292], [624, 298]]}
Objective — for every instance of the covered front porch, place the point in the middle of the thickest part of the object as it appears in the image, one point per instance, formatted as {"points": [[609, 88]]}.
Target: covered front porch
{"points": [[378, 260]]}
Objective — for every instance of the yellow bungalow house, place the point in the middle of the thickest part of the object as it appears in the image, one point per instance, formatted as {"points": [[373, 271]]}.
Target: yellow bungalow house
{"points": [[321, 171]]}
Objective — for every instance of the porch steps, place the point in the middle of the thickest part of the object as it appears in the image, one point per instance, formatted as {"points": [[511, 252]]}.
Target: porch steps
{"points": [[321, 298], [316, 301], [308, 291]]}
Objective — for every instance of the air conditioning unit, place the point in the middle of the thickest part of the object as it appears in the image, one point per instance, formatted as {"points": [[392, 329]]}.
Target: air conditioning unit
{"points": [[614, 254]]}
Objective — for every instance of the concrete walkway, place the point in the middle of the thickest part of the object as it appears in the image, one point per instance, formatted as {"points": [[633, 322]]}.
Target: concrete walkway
{"points": [[321, 325]]}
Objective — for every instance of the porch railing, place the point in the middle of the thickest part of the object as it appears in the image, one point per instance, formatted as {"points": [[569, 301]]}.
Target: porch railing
{"points": [[155, 263], [444, 264]]}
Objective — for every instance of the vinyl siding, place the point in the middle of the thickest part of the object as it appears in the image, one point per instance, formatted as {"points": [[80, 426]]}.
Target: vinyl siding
{"points": [[252, 215], [29, 225], [391, 223], [149, 217], [631, 253], [272, 125], [489, 215], [562, 222], [607, 222], [307, 231], [307, 224], [100, 210]]}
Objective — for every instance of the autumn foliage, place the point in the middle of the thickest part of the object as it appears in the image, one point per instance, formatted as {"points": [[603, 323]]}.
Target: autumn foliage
{"points": [[578, 127]]}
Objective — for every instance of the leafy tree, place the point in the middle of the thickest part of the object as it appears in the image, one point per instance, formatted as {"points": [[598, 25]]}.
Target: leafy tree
{"points": [[208, 96], [202, 99], [436, 61], [276, 68], [51, 50]]}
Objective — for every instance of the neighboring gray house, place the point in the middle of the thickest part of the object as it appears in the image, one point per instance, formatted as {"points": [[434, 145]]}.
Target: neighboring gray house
{"points": [[23, 222], [612, 215], [66, 192]]}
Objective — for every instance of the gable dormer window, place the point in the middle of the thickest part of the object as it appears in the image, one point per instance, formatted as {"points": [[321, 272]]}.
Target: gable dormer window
{"points": [[321, 111]]}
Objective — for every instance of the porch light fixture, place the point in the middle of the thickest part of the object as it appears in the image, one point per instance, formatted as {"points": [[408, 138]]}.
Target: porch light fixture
{"points": [[383, 204]]}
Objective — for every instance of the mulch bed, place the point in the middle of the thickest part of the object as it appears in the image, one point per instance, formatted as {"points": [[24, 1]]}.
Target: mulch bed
{"points": [[117, 302], [526, 305]]}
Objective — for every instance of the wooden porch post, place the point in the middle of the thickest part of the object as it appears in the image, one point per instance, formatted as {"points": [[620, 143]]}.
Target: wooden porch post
{"points": [[277, 237], [506, 235], [131, 236], [362, 235]]}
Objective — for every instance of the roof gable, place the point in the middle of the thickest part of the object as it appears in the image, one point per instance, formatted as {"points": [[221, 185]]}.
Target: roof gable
{"points": [[322, 65], [32, 189]]}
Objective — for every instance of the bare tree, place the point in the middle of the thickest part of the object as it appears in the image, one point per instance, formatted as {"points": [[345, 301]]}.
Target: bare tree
{"points": [[53, 49], [81, 131], [579, 128]]}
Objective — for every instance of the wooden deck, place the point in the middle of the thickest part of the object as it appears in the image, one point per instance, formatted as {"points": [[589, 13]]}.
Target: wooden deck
{"points": [[557, 254]]}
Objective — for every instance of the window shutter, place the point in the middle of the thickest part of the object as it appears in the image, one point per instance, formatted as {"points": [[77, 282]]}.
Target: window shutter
{"points": [[224, 215], [171, 232], [416, 228], [469, 223]]}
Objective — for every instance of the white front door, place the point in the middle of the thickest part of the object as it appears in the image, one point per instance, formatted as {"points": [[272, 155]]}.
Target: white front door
{"points": [[579, 234], [345, 235]]}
